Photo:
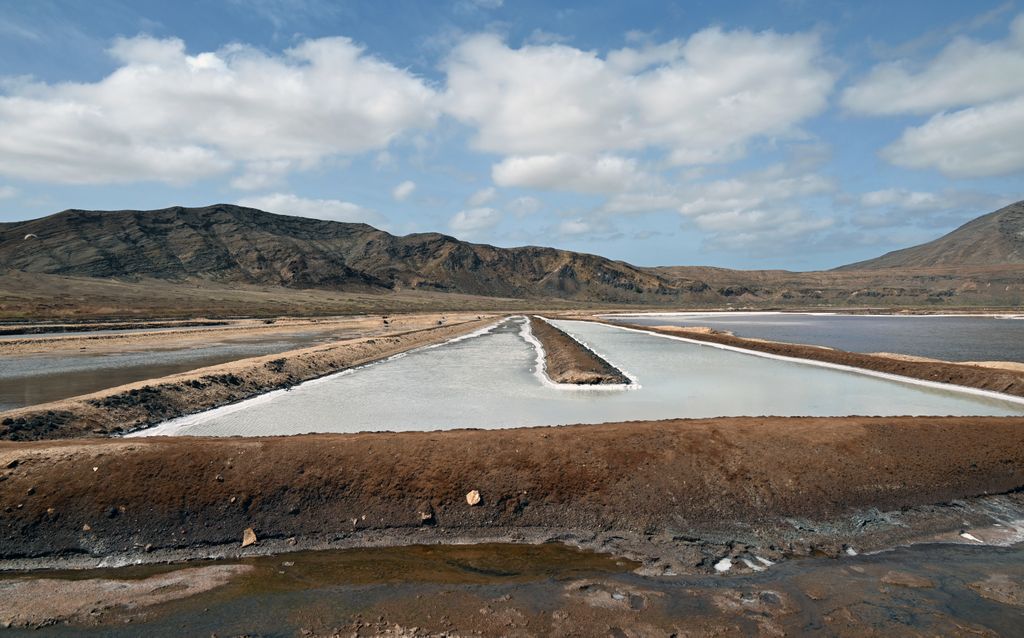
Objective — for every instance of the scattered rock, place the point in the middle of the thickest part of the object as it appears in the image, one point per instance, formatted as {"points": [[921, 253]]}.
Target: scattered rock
{"points": [[473, 497], [903, 579], [1002, 589], [248, 537], [86, 528]]}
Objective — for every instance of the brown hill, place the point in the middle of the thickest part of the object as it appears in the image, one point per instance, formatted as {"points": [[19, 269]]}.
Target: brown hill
{"points": [[990, 240], [231, 244]]}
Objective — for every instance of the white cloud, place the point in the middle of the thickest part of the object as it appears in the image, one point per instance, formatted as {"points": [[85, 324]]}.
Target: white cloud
{"points": [[700, 100], [901, 198], [966, 72], [482, 197], [402, 192], [575, 227], [758, 208], [329, 209], [474, 220], [974, 142], [562, 171], [893, 207], [169, 116], [7, 192], [524, 206], [985, 80]]}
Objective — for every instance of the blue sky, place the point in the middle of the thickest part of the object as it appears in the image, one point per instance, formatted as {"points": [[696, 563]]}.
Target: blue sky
{"points": [[789, 134]]}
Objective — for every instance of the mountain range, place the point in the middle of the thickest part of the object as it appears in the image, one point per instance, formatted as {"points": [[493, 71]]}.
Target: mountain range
{"points": [[229, 246]]}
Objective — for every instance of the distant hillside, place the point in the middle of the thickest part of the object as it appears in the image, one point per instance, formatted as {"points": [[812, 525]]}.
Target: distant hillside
{"points": [[990, 240], [225, 244], [228, 260]]}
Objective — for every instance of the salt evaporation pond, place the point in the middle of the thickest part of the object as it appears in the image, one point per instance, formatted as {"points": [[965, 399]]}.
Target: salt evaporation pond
{"points": [[490, 381]]}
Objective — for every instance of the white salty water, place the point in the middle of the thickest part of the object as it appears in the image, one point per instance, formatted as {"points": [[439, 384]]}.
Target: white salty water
{"points": [[490, 381]]}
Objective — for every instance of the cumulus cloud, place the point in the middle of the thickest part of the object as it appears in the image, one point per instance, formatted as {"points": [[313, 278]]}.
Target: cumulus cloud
{"points": [[699, 100], [329, 209], [169, 116], [402, 192], [563, 171], [965, 72], [472, 221], [482, 197], [524, 206], [984, 80], [761, 207], [974, 142], [892, 207]]}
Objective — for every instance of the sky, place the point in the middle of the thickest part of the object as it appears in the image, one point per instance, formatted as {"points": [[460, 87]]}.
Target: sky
{"points": [[791, 134]]}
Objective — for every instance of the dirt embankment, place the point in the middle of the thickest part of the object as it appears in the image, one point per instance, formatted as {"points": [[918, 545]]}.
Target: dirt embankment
{"points": [[678, 481], [137, 405], [1007, 381], [569, 361]]}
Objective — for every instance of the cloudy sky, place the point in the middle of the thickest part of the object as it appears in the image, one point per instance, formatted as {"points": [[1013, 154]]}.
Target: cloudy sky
{"points": [[771, 134]]}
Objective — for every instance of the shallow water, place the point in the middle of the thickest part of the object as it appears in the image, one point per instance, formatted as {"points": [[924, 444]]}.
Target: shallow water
{"points": [[33, 379], [536, 590], [490, 381], [939, 337]]}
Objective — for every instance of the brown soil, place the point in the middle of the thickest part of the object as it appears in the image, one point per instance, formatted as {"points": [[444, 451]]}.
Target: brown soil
{"points": [[137, 405], [33, 602], [569, 361], [1007, 381], [679, 481]]}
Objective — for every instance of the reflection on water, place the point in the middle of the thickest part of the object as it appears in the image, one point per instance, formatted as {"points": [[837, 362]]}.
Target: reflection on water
{"points": [[489, 382], [948, 338]]}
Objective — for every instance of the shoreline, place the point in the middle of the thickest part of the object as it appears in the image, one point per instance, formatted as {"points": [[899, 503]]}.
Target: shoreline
{"points": [[131, 407], [1005, 383]]}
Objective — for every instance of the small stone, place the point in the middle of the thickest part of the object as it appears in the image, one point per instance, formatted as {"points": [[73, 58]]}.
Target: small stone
{"points": [[292, 541], [473, 497], [904, 579], [248, 537], [50, 511], [220, 478], [95, 469], [30, 491], [148, 548], [232, 499], [86, 528]]}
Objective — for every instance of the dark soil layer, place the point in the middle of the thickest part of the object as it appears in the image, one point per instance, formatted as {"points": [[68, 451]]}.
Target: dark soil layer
{"points": [[971, 376], [138, 405], [676, 479], [568, 361]]}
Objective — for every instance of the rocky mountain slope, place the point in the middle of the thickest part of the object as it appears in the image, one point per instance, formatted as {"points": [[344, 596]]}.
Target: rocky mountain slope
{"points": [[225, 244], [989, 240], [94, 263]]}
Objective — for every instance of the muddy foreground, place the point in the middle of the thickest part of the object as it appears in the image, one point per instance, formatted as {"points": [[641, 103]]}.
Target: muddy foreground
{"points": [[515, 590], [678, 496]]}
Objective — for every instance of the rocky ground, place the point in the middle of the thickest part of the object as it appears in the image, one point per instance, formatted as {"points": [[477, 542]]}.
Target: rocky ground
{"points": [[568, 361]]}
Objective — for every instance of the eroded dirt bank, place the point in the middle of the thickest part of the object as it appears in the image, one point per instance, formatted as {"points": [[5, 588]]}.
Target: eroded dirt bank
{"points": [[133, 406], [678, 495], [568, 361], [1005, 380]]}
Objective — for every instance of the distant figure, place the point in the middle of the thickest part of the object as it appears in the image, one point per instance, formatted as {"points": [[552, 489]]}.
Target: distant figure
{"points": [[31, 236]]}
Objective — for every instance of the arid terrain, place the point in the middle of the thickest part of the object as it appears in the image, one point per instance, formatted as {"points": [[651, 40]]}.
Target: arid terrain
{"points": [[752, 520]]}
